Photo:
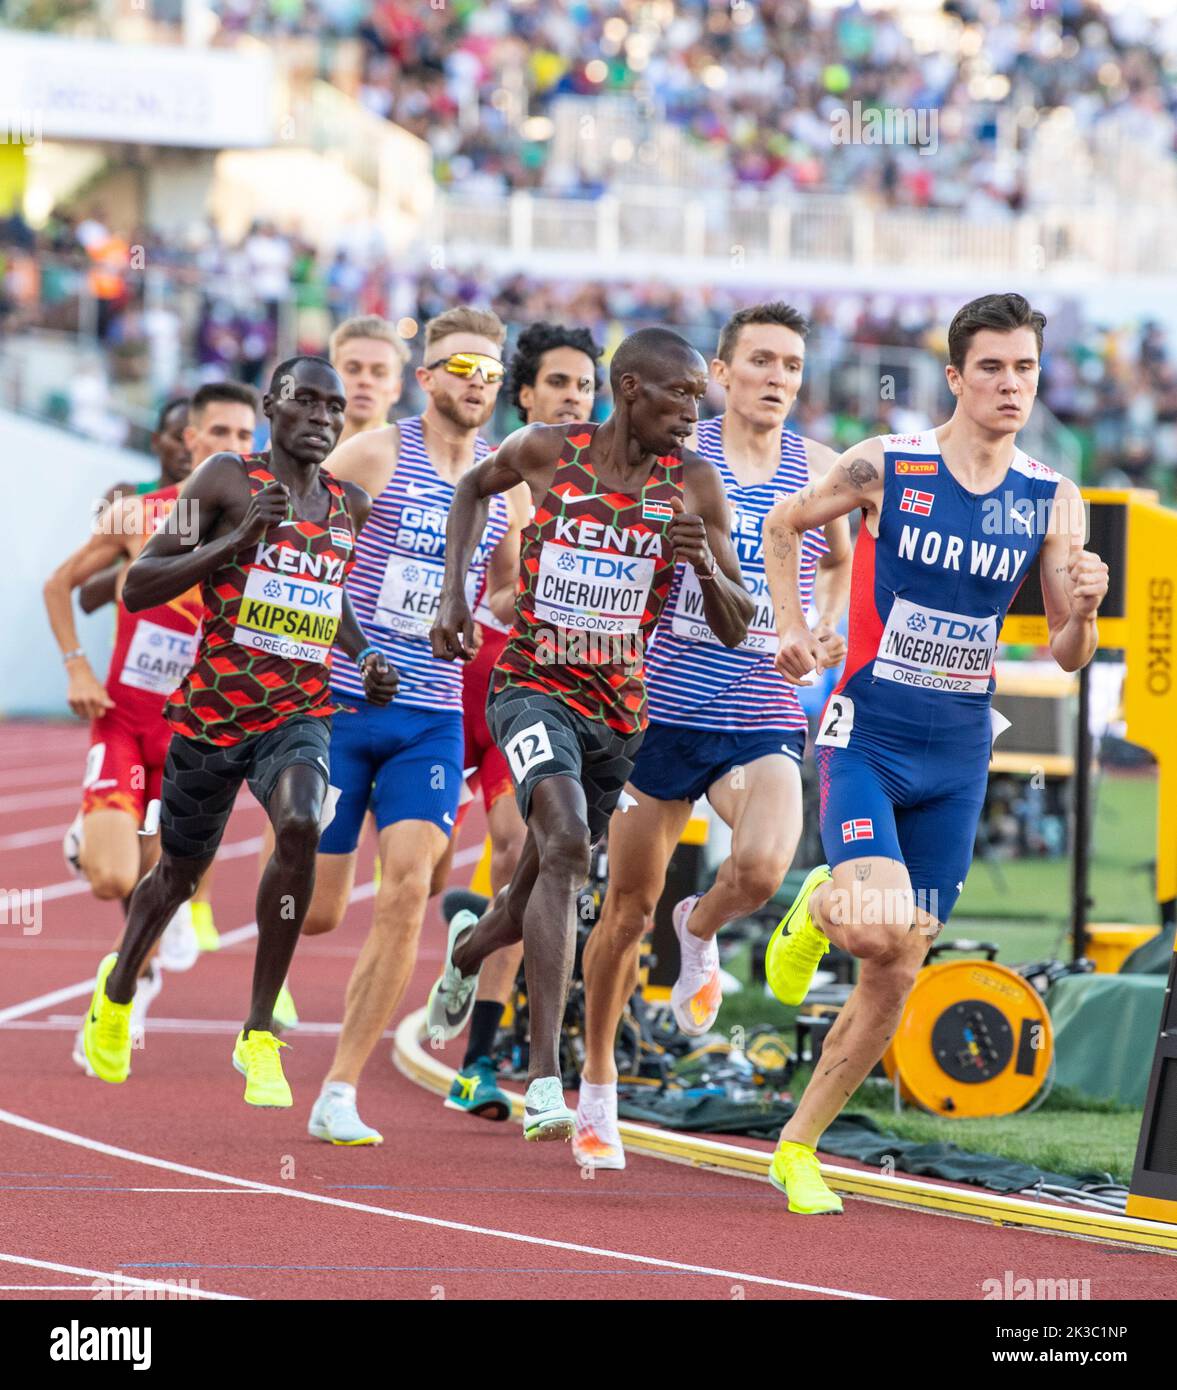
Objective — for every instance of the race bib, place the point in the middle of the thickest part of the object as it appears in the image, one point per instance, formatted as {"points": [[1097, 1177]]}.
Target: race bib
{"points": [[689, 620], [159, 658], [934, 650], [837, 723], [409, 595], [592, 590], [527, 749], [292, 618]]}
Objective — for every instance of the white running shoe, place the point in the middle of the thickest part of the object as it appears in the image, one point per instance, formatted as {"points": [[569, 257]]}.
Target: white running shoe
{"points": [[451, 1000], [334, 1117], [597, 1140], [697, 993], [178, 947], [71, 847], [146, 991], [545, 1116]]}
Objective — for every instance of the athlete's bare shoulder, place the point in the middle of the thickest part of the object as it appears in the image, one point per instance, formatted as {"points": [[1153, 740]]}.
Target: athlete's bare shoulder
{"points": [[359, 502], [368, 459], [819, 458], [220, 477], [702, 483]]}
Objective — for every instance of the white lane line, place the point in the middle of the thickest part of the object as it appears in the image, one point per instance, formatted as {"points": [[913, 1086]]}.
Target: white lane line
{"points": [[97, 1146], [42, 775], [72, 887], [25, 839], [32, 801], [127, 1280], [229, 938]]}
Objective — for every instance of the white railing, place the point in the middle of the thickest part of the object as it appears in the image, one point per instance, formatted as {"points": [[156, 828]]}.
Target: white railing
{"points": [[746, 227]]}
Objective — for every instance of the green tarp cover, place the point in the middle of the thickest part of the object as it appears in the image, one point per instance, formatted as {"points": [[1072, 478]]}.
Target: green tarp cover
{"points": [[1105, 1033], [850, 1136]]}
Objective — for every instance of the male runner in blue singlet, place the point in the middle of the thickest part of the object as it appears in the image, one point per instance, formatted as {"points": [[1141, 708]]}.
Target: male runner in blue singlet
{"points": [[723, 724], [953, 519]]}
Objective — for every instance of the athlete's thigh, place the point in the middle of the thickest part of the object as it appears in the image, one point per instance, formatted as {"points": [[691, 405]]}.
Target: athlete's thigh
{"points": [[419, 774], [352, 770], [762, 806], [410, 849], [111, 838], [503, 819], [857, 808], [642, 838], [937, 838]]}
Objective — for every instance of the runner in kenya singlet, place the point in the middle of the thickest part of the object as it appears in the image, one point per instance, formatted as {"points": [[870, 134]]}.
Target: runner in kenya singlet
{"points": [[271, 614], [595, 566]]}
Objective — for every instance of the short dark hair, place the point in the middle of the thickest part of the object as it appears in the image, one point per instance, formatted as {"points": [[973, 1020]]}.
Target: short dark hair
{"points": [[1002, 312], [176, 403], [646, 347], [534, 341], [233, 391], [776, 312], [285, 368]]}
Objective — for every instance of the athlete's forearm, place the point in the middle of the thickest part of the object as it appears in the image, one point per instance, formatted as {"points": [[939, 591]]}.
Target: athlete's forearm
{"points": [[1074, 644], [782, 568], [154, 579], [831, 591], [100, 589], [57, 593], [350, 638], [728, 608], [466, 523]]}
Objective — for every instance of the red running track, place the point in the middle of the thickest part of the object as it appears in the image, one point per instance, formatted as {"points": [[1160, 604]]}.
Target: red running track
{"points": [[171, 1177]]}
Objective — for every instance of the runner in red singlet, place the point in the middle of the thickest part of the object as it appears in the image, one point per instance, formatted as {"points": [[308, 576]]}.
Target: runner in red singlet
{"points": [[552, 377], [616, 506], [271, 540]]}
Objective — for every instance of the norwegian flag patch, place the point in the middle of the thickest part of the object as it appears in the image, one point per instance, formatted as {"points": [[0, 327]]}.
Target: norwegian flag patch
{"points": [[857, 830], [915, 501], [657, 511]]}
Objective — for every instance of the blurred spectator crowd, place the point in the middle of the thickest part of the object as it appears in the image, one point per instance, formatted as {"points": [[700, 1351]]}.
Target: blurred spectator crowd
{"points": [[167, 316]]}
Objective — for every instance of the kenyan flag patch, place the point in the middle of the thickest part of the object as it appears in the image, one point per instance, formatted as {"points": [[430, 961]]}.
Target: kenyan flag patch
{"points": [[657, 511]]}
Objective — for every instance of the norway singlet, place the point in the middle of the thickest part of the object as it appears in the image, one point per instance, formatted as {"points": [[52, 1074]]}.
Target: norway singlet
{"points": [[400, 568], [154, 648], [271, 614], [695, 681], [595, 571], [930, 593]]}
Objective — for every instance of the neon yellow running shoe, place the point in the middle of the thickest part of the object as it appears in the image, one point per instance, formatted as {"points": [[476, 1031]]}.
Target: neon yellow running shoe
{"points": [[207, 936], [797, 945], [106, 1031], [796, 1172], [256, 1058], [285, 1015]]}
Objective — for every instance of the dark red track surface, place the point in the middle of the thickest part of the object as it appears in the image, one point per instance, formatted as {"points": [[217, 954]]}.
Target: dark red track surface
{"points": [[76, 1206]]}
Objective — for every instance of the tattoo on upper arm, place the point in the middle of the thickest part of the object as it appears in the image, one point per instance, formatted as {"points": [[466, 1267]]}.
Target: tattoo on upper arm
{"points": [[860, 472]]}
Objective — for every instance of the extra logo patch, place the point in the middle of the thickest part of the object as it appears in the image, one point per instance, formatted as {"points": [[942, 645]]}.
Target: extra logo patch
{"points": [[915, 501], [924, 466], [857, 830], [657, 511]]}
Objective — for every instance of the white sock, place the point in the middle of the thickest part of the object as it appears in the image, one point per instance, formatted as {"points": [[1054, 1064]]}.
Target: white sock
{"points": [[344, 1090], [592, 1094]]}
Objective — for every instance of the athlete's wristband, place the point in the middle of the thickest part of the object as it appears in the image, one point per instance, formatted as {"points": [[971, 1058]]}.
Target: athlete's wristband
{"points": [[367, 652], [712, 573], [72, 656]]}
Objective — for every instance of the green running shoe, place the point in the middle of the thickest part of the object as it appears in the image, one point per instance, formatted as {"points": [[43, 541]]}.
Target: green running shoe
{"points": [[476, 1091]]}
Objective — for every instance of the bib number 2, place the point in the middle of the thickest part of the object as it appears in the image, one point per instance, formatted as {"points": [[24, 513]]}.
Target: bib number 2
{"points": [[837, 721]]}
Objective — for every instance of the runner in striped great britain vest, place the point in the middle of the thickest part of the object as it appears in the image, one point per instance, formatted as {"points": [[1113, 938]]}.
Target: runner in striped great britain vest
{"points": [[616, 506], [723, 723], [405, 760], [953, 520], [269, 539]]}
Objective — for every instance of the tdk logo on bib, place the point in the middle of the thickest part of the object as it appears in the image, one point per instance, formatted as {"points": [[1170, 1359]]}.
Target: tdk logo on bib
{"points": [[933, 650]]}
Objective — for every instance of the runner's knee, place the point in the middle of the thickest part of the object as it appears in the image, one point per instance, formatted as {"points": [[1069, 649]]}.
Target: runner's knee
{"points": [[758, 875], [296, 836], [565, 851], [109, 884], [626, 916]]}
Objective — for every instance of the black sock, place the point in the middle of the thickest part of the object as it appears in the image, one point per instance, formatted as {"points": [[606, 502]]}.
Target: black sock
{"points": [[484, 1024]]}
